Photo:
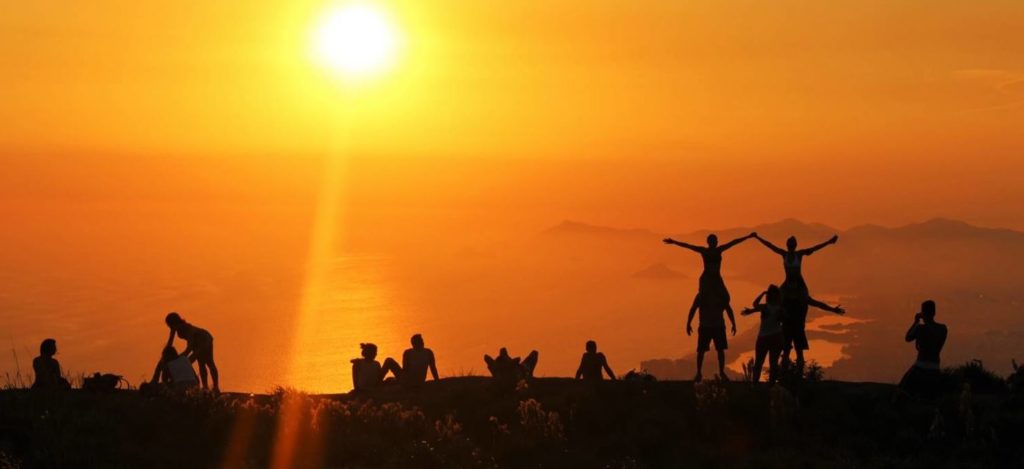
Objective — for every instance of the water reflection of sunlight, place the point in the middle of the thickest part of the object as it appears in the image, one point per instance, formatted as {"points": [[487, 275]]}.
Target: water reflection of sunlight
{"points": [[824, 352]]}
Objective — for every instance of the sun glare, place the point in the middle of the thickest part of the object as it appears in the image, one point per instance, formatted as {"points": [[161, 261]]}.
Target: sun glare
{"points": [[356, 40]]}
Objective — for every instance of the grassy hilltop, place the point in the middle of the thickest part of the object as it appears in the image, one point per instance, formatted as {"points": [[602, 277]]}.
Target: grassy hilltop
{"points": [[473, 422]]}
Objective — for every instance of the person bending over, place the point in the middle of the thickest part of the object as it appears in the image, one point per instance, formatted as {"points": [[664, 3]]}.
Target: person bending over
{"points": [[199, 347]]}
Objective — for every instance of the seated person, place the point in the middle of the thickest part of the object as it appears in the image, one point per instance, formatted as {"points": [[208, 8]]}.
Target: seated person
{"points": [[592, 364], [367, 373], [506, 367], [47, 369], [415, 362], [175, 370]]}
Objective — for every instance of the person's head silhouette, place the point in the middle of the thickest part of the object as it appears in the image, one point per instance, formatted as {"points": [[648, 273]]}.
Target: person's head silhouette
{"points": [[503, 352], [774, 294], [417, 341], [712, 241], [928, 310], [173, 320], [169, 353], [591, 346], [48, 348], [791, 243], [369, 351]]}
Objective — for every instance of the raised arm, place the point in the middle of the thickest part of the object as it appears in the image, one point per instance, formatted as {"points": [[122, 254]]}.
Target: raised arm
{"points": [[813, 249], [737, 241], [912, 332], [769, 245], [681, 244]]}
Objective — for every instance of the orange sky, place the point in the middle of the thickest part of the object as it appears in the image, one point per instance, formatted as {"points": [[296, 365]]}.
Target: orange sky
{"points": [[172, 155], [562, 77], [910, 108]]}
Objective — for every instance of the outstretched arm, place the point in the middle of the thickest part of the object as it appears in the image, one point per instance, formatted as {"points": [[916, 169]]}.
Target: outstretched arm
{"points": [[813, 249], [737, 241], [825, 306], [769, 245], [684, 245]]}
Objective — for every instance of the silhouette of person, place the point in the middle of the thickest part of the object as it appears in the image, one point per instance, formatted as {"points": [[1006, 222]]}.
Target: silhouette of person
{"points": [[593, 364], [711, 282], [924, 376], [796, 297], [513, 368], [199, 347], [769, 335], [367, 372], [710, 329], [174, 370], [415, 363], [47, 368]]}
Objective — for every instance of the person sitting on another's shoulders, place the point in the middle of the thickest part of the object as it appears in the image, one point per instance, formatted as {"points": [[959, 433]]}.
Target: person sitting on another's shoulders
{"points": [[592, 364], [47, 368]]}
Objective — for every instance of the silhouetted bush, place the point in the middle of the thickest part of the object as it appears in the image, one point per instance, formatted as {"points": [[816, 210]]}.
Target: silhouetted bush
{"points": [[974, 374]]}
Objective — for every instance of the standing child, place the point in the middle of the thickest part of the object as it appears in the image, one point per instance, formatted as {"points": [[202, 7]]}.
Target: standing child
{"points": [[199, 347]]}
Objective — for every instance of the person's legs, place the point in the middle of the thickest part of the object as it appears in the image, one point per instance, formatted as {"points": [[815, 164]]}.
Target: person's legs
{"points": [[390, 365], [773, 364], [700, 365], [759, 354], [721, 345], [204, 356], [530, 363], [202, 373]]}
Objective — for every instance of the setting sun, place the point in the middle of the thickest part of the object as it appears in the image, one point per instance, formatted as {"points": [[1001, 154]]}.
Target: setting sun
{"points": [[356, 40]]}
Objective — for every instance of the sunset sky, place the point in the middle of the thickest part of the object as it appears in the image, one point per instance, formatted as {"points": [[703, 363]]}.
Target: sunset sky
{"points": [[206, 128], [898, 93]]}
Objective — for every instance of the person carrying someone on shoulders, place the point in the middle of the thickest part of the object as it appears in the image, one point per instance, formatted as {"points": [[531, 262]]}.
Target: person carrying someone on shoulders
{"points": [[47, 368], [593, 364]]}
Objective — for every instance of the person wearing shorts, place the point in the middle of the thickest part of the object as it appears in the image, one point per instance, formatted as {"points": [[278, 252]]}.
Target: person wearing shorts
{"points": [[711, 329]]}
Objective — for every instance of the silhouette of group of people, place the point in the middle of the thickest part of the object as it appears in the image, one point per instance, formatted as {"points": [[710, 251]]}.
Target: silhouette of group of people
{"points": [[782, 309], [783, 316]]}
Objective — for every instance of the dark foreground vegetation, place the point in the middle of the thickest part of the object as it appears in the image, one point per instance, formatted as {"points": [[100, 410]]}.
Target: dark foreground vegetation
{"points": [[472, 422]]}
